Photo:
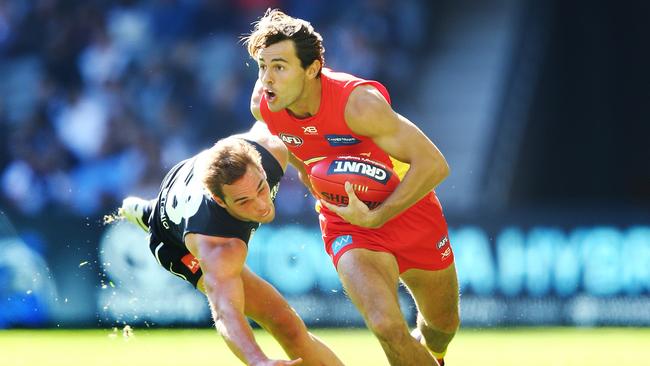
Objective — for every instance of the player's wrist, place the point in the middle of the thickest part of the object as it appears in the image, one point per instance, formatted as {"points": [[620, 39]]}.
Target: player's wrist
{"points": [[375, 219], [257, 360]]}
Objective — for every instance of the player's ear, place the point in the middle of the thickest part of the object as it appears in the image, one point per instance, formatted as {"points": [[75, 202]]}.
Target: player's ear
{"points": [[219, 201], [313, 69]]}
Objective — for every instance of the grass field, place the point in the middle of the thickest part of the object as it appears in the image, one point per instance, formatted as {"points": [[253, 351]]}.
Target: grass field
{"points": [[521, 347]]}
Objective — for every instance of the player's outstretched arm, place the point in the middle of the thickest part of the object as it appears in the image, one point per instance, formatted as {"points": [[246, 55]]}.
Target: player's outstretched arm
{"points": [[222, 261], [367, 113]]}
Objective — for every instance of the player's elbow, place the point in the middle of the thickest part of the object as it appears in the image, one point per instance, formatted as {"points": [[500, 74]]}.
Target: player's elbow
{"points": [[442, 169], [438, 168]]}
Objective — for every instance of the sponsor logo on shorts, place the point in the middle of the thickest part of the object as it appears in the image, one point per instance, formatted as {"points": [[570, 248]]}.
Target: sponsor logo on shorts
{"points": [[446, 254], [290, 140], [191, 262], [339, 199], [341, 242], [444, 241], [364, 168], [342, 140]]}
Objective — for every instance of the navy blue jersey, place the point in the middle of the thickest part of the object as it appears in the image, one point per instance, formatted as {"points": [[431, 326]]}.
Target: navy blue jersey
{"points": [[185, 206]]}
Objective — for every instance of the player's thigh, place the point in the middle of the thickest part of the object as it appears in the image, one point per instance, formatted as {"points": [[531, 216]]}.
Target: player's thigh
{"points": [[436, 296], [265, 305], [370, 278]]}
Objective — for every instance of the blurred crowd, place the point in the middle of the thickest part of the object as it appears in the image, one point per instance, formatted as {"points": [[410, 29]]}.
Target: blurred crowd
{"points": [[99, 98]]}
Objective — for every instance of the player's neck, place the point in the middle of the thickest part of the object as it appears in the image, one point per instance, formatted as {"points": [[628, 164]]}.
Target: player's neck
{"points": [[308, 104]]}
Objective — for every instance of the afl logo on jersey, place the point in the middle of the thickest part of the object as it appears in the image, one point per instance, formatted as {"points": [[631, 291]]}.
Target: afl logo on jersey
{"points": [[290, 140]]}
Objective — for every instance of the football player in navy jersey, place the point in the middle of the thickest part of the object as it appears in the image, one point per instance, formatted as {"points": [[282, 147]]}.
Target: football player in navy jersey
{"points": [[200, 225]]}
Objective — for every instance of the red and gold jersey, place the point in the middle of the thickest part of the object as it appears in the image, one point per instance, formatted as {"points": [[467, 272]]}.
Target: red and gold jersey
{"points": [[417, 237]]}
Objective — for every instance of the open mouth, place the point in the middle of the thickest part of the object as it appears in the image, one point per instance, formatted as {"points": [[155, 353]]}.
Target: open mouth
{"points": [[266, 213], [270, 95]]}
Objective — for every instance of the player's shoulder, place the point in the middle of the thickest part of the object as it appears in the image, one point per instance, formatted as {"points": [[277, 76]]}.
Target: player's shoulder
{"points": [[215, 247], [213, 220], [365, 100], [214, 239], [337, 76]]}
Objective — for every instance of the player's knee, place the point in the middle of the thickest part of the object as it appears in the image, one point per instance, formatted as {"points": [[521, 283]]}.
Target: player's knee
{"points": [[448, 325], [437, 338], [388, 330], [445, 323]]}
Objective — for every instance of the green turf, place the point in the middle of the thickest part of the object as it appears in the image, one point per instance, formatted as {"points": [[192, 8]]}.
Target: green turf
{"points": [[503, 347]]}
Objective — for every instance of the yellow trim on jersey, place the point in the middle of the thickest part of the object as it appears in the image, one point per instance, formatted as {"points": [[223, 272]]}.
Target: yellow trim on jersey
{"points": [[313, 160], [399, 167]]}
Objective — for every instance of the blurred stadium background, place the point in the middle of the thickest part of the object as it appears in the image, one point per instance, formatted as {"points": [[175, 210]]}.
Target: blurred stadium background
{"points": [[541, 109]]}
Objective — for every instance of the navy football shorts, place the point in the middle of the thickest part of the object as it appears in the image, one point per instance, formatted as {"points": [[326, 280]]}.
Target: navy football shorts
{"points": [[178, 261]]}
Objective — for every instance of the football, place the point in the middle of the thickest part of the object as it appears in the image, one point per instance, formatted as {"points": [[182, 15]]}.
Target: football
{"points": [[372, 181]]}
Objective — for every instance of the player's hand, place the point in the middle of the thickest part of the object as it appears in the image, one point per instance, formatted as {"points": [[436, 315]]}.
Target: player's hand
{"points": [[297, 361], [356, 212]]}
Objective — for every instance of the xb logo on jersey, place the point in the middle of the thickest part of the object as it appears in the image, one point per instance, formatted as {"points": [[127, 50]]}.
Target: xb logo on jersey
{"points": [[309, 130], [290, 140], [446, 254]]}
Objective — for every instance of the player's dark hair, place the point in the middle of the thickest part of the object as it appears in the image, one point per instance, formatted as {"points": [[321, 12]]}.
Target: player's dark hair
{"points": [[276, 26], [227, 162]]}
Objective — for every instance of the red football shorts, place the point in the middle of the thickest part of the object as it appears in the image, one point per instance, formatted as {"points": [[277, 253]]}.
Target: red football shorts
{"points": [[417, 237]]}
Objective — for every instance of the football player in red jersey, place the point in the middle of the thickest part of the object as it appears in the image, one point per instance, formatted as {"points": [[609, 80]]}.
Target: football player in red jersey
{"points": [[317, 112]]}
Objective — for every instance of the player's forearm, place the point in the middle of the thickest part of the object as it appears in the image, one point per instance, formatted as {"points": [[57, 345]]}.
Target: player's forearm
{"points": [[235, 330], [422, 177], [227, 303]]}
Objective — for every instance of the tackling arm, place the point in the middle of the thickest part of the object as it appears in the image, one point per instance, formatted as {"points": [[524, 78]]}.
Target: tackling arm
{"points": [[222, 261]]}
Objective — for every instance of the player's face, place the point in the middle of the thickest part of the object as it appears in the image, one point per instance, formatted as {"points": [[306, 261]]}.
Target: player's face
{"points": [[281, 74], [249, 198]]}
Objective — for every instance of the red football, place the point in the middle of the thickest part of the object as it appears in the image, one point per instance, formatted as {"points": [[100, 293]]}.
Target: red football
{"points": [[372, 181]]}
